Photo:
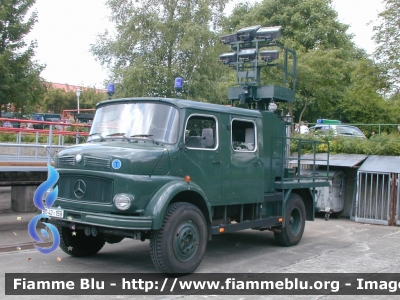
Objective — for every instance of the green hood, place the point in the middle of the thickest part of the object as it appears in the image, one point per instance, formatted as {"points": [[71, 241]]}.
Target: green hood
{"points": [[119, 157]]}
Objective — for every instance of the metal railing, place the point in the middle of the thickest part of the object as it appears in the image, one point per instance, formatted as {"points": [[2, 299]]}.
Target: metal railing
{"points": [[374, 196], [45, 142], [48, 150], [306, 157]]}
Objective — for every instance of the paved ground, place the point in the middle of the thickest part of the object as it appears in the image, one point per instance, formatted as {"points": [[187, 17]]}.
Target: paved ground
{"points": [[334, 246]]}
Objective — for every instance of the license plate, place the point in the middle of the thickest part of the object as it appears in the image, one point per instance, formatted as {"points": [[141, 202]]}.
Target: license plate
{"points": [[53, 212]]}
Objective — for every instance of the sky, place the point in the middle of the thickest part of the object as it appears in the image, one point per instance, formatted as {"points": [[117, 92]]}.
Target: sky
{"points": [[67, 28]]}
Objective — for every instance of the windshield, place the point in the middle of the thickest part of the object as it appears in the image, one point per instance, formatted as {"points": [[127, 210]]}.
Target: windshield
{"points": [[152, 121]]}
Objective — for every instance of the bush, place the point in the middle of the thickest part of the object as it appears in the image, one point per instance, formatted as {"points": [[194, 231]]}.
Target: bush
{"points": [[384, 144], [8, 137], [42, 139]]}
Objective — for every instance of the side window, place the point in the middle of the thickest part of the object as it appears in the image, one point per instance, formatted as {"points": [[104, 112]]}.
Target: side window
{"points": [[200, 132], [243, 135]]}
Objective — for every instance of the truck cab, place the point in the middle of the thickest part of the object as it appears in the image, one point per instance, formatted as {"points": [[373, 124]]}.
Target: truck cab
{"points": [[176, 172]]}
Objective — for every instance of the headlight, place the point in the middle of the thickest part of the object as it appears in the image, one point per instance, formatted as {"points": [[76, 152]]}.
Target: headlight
{"points": [[122, 201], [78, 158], [46, 193]]}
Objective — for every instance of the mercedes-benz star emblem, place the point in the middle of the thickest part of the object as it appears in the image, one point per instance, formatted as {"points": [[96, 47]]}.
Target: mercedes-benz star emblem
{"points": [[79, 188]]}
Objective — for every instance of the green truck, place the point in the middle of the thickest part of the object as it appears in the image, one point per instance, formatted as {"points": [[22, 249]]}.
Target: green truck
{"points": [[176, 172]]}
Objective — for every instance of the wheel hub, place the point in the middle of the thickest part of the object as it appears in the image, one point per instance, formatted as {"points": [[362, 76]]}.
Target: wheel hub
{"points": [[294, 222], [186, 243]]}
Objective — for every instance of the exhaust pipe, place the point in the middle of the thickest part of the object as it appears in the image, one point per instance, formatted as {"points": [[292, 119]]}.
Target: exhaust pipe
{"points": [[90, 231]]}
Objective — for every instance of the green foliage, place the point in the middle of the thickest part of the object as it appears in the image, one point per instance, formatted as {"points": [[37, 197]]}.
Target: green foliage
{"points": [[387, 38], [43, 138], [77, 128], [158, 40], [26, 138], [322, 79], [90, 97], [20, 81], [8, 137], [56, 100], [325, 52], [384, 144], [361, 103], [306, 24]]}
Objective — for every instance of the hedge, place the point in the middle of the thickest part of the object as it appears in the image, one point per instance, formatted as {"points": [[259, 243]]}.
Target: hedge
{"points": [[383, 144]]}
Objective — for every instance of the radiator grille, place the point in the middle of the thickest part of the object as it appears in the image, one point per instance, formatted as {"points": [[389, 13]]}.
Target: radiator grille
{"points": [[91, 189], [67, 160], [91, 161]]}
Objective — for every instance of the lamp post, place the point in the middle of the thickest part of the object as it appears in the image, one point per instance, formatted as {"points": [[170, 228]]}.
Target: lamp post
{"points": [[78, 94]]}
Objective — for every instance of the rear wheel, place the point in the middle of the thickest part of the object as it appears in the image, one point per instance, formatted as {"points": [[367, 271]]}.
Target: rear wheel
{"points": [[295, 220], [76, 243], [179, 245]]}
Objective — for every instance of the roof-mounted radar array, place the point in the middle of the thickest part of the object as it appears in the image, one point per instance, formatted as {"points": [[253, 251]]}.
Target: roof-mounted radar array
{"points": [[254, 48]]}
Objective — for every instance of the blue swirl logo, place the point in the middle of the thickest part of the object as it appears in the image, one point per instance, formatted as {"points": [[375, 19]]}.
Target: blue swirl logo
{"points": [[43, 205]]}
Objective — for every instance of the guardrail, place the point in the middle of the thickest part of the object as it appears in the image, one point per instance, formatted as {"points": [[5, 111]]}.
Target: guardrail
{"points": [[54, 138]]}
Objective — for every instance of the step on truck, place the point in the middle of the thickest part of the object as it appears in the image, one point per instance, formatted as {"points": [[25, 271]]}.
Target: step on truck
{"points": [[176, 172]]}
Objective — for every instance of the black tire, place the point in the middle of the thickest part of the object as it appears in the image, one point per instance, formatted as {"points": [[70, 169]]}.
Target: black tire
{"points": [[179, 245], [295, 221], [113, 239], [79, 244]]}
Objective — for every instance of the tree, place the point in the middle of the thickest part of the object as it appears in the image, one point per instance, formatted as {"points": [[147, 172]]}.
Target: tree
{"points": [[91, 96], [324, 50], [158, 40], [20, 81], [306, 24], [322, 81], [362, 103], [387, 38], [56, 100]]}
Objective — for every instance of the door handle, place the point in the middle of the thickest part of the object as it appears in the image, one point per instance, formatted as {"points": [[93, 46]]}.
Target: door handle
{"points": [[216, 162]]}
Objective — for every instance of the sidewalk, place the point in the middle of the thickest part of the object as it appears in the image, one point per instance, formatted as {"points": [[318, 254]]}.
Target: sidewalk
{"points": [[13, 225]]}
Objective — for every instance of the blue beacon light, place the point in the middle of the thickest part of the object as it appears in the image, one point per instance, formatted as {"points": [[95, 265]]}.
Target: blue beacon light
{"points": [[110, 90], [178, 84]]}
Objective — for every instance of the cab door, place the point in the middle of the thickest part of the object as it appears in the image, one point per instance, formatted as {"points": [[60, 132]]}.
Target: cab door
{"points": [[246, 168], [201, 159]]}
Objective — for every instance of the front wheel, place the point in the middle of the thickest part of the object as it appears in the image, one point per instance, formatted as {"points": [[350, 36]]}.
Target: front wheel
{"points": [[295, 220], [179, 245]]}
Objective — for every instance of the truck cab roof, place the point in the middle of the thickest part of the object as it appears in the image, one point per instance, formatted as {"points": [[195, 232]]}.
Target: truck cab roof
{"points": [[187, 104]]}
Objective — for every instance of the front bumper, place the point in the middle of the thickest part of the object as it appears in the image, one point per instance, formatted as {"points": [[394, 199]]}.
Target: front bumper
{"points": [[111, 221]]}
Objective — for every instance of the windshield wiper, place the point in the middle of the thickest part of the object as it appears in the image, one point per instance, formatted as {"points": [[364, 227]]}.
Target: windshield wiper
{"points": [[117, 134], [99, 134], [146, 136]]}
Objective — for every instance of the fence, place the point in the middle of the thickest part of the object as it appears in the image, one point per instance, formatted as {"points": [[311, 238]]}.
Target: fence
{"points": [[377, 198], [373, 198], [37, 144]]}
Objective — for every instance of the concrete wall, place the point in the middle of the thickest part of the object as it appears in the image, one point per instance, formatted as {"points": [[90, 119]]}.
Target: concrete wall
{"points": [[22, 198]]}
